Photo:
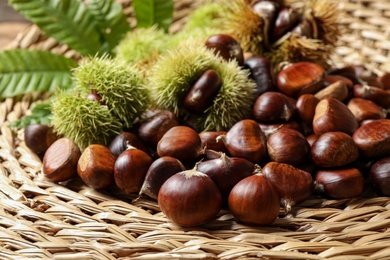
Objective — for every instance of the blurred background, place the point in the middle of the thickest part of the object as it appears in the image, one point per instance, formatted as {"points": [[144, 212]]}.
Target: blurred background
{"points": [[11, 23]]}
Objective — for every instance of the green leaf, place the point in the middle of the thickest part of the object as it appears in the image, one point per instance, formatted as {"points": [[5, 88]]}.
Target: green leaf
{"points": [[40, 114], [68, 21], [24, 71], [152, 12], [111, 21]]}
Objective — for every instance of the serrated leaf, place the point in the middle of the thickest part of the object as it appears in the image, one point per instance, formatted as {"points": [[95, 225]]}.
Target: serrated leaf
{"points": [[153, 12], [23, 71], [40, 114], [68, 21], [111, 21]]}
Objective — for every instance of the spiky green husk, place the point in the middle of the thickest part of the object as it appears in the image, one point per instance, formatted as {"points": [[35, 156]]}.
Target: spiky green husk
{"points": [[173, 75], [121, 87], [82, 120], [208, 15]]}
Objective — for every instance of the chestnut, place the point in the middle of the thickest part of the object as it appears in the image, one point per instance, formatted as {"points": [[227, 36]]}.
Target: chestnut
{"points": [[377, 95], [336, 90], [293, 185], [226, 46], [342, 183], [380, 175], [300, 78], [384, 81], [189, 198], [246, 140], [331, 115], [159, 171], [306, 106], [273, 107], [334, 149], [154, 127], [96, 166], [270, 128], [226, 172], [373, 138], [39, 137], [288, 146], [261, 72], [130, 169], [182, 143], [60, 160], [254, 200], [286, 20], [120, 143], [201, 94], [364, 109], [329, 79], [210, 140]]}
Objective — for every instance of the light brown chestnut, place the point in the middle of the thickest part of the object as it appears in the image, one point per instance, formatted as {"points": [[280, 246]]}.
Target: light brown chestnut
{"points": [[331, 115], [339, 183], [334, 149], [373, 138], [300, 78], [364, 109], [288, 146], [159, 171], [39, 137], [190, 198], [380, 176], [96, 166], [154, 127], [182, 143], [60, 160], [272, 107], [246, 140], [226, 46], [201, 94], [254, 200], [293, 185]]}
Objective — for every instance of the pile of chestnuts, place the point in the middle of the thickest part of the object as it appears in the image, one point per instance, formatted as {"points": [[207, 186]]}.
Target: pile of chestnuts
{"points": [[313, 131]]}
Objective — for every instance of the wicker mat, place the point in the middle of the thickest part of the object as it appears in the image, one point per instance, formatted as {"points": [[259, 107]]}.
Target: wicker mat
{"points": [[43, 220]]}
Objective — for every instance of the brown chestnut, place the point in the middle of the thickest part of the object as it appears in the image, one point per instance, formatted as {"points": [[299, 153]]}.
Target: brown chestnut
{"points": [[380, 176], [288, 146], [330, 79], [182, 143], [286, 20], [273, 107], [377, 95], [373, 138], [130, 169], [300, 78], [154, 127], [333, 149], [339, 183], [60, 160], [270, 128], [201, 94], [189, 198], [254, 200], [226, 46], [306, 106], [336, 90], [96, 166], [331, 115], [121, 142], [293, 185], [210, 140], [39, 137], [364, 109], [261, 72]]}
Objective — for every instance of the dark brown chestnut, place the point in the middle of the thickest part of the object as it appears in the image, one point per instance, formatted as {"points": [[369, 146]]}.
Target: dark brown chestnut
{"points": [[293, 185], [96, 166], [210, 140], [261, 72], [39, 137], [130, 169], [159, 171], [272, 107], [334, 149], [380, 176], [246, 140], [331, 115], [288, 146], [339, 183], [182, 143], [154, 127], [306, 106], [286, 20], [201, 94], [190, 198], [60, 160], [121, 142], [300, 78], [373, 138], [226, 172], [226, 46]]}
